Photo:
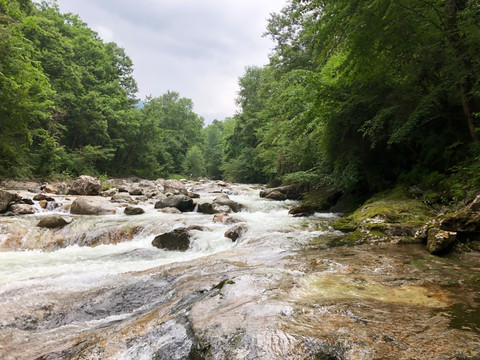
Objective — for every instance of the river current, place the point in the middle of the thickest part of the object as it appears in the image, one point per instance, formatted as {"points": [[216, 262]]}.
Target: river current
{"points": [[282, 291]]}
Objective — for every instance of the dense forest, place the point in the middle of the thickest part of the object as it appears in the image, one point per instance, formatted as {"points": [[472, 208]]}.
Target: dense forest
{"points": [[361, 95]]}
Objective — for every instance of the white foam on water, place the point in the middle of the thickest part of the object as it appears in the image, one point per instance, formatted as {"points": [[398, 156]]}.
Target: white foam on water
{"points": [[77, 268]]}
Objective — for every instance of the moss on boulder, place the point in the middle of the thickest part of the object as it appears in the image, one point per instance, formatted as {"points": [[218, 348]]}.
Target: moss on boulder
{"points": [[391, 214]]}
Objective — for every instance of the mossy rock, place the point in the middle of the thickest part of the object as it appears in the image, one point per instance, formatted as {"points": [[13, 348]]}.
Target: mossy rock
{"points": [[392, 213]]}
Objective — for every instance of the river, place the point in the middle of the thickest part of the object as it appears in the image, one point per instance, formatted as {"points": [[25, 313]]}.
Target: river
{"points": [[285, 290]]}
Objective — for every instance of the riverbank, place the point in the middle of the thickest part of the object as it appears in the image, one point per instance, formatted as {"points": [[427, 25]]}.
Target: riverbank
{"points": [[290, 288]]}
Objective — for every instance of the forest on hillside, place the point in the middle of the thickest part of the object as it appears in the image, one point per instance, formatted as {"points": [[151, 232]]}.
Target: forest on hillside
{"points": [[360, 95]]}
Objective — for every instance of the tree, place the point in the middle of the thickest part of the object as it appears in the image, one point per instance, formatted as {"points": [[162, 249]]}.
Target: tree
{"points": [[213, 149], [179, 127], [368, 91], [93, 83], [194, 163], [25, 97]]}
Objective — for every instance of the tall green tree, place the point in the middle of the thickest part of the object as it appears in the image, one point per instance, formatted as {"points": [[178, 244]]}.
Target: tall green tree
{"points": [[240, 154], [213, 149], [25, 99], [179, 128]]}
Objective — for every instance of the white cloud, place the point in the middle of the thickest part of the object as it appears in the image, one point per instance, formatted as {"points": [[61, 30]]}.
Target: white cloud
{"points": [[198, 48], [105, 33]]}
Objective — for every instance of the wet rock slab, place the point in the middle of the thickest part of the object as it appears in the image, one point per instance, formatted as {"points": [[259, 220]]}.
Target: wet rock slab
{"points": [[382, 302]]}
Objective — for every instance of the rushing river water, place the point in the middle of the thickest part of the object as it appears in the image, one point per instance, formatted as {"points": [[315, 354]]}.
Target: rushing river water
{"points": [[282, 291]]}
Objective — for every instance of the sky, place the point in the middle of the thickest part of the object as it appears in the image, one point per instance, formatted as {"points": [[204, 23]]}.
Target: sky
{"points": [[198, 48]]}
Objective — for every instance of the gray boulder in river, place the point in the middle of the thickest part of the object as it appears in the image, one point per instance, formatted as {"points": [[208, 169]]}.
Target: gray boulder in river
{"points": [[131, 210], [178, 239], [85, 185], [52, 222], [181, 202], [225, 200], [92, 206]]}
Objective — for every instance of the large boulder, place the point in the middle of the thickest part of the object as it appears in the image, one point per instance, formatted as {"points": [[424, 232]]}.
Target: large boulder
{"points": [[236, 232], [439, 241], [214, 208], [85, 185], [50, 189], [474, 205], [181, 202], [206, 208], [302, 211], [291, 192], [276, 195], [52, 222], [92, 206], [225, 200], [173, 186], [5, 199], [176, 240]]}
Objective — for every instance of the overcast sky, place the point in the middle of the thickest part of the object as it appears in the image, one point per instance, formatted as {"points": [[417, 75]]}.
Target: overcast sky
{"points": [[196, 47]]}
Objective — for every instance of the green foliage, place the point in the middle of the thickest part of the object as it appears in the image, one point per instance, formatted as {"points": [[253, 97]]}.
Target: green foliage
{"points": [[194, 163], [25, 94], [213, 149], [176, 127], [67, 102], [360, 95]]}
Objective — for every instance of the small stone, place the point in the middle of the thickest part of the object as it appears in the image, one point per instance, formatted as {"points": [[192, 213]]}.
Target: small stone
{"points": [[169, 210], [41, 196], [52, 222], [131, 210], [236, 232], [219, 218]]}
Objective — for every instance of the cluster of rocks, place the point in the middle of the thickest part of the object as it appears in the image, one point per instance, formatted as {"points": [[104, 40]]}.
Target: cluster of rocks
{"points": [[168, 196], [442, 232], [180, 239], [407, 219]]}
